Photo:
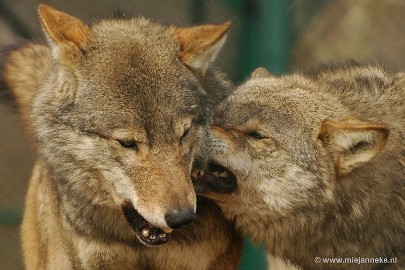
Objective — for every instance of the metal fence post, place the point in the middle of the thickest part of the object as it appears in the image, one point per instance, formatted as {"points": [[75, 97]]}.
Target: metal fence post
{"points": [[264, 41]]}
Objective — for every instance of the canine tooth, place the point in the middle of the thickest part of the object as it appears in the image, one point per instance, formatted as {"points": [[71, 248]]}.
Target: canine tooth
{"points": [[145, 232], [223, 174]]}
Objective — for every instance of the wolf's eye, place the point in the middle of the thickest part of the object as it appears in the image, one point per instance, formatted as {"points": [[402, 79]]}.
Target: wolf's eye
{"points": [[185, 133], [128, 144], [257, 135]]}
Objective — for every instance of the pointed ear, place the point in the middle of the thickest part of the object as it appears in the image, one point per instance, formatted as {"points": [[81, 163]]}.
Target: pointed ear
{"points": [[260, 72], [61, 28], [353, 142], [200, 45]]}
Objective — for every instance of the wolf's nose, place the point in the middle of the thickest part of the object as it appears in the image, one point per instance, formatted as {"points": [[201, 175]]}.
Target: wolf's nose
{"points": [[179, 217]]}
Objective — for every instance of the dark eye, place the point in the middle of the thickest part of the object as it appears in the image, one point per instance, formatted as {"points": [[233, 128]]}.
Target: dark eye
{"points": [[128, 144], [185, 133], [257, 135]]}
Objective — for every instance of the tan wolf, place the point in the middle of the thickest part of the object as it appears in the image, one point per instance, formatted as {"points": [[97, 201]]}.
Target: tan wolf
{"points": [[117, 110], [314, 165]]}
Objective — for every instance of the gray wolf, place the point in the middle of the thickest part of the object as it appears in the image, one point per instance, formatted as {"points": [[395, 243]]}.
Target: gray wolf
{"points": [[313, 165], [117, 110]]}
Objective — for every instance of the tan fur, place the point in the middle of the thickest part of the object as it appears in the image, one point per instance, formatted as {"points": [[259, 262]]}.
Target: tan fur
{"points": [[319, 162], [117, 117], [343, 134], [208, 243], [62, 27], [26, 69], [209, 38]]}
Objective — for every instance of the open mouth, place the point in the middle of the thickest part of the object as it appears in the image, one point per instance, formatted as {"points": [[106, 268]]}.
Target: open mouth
{"points": [[147, 233], [215, 178]]}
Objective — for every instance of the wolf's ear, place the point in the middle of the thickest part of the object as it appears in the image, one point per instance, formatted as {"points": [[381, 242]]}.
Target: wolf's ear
{"points": [[199, 45], [63, 29], [353, 142], [260, 72]]}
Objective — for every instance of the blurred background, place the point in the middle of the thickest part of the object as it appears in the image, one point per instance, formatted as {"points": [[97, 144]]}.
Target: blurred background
{"points": [[281, 35]]}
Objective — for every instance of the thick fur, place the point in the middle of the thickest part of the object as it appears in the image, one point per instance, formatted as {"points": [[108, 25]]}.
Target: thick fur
{"points": [[320, 164], [90, 89]]}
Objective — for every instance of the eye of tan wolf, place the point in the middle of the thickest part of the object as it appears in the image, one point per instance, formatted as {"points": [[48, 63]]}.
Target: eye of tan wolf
{"points": [[128, 144], [257, 135], [185, 133]]}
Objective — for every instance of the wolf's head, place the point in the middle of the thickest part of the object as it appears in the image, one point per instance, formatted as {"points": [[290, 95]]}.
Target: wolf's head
{"points": [[120, 116], [279, 145]]}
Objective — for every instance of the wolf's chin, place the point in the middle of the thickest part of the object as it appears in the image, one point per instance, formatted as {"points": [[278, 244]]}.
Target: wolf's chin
{"points": [[147, 234]]}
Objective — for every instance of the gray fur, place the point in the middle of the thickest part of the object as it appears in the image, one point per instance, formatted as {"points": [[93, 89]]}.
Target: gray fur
{"points": [[291, 193]]}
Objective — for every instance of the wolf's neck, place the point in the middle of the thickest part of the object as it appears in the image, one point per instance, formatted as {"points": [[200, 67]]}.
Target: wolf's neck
{"points": [[299, 238], [342, 230]]}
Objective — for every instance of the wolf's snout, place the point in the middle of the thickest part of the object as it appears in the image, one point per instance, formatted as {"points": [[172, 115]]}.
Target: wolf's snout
{"points": [[179, 217]]}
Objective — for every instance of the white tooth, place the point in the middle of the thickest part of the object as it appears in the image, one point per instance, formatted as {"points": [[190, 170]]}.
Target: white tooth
{"points": [[145, 232], [152, 237], [215, 174], [223, 174], [162, 235], [197, 173]]}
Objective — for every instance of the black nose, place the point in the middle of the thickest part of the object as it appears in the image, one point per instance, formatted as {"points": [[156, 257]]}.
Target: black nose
{"points": [[179, 217]]}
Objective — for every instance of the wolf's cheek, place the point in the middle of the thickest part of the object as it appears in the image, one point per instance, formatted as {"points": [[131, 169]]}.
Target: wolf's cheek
{"points": [[118, 185], [283, 185]]}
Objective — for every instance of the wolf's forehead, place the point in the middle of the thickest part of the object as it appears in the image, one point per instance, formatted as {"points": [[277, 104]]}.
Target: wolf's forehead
{"points": [[135, 79], [133, 73], [273, 109], [117, 60], [136, 103], [137, 36]]}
